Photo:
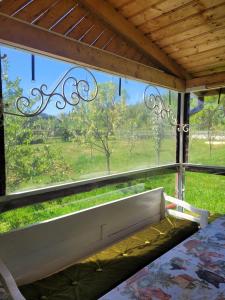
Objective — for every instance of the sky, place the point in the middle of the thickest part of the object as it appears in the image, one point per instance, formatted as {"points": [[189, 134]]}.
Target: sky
{"points": [[49, 71]]}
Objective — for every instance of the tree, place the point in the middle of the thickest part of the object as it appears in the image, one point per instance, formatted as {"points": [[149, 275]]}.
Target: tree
{"points": [[96, 122], [210, 118], [162, 122], [25, 161], [158, 134]]}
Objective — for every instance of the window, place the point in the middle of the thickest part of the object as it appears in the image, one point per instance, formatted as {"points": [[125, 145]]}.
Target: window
{"points": [[207, 130], [114, 133]]}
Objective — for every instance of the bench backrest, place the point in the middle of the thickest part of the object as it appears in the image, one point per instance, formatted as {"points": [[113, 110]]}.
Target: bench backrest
{"points": [[44, 248]]}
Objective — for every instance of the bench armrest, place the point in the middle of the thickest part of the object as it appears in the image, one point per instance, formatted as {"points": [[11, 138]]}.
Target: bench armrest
{"points": [[9, 282], [202, 219]]}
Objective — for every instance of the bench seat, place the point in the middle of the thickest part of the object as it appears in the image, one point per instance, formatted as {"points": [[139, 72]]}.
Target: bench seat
{"points": [[96, 275]]}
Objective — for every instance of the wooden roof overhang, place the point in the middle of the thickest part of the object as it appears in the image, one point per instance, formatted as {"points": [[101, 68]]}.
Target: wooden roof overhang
{"points": [[179, 44]]}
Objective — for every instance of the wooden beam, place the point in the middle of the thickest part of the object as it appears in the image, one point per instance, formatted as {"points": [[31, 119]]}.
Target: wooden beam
{"points": [[119, 24], [32, 38], [216, 170], [210, 70], [206, 82], [22, 199]]}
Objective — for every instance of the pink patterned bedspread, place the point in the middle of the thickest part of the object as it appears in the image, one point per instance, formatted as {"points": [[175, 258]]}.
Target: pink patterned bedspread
{"points": [[195, 269]]}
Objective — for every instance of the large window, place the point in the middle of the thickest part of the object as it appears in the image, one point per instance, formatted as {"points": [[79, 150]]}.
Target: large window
{"points": [[207, 129], [114, 133]]}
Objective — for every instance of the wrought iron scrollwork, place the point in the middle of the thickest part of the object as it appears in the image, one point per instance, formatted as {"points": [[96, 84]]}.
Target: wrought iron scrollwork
{"points": [[4, 56], [82, 90], [155, 103], [184, 128]]}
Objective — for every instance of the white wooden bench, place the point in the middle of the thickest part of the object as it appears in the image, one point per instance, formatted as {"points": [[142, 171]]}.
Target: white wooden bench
{"points": [[45, 248]]}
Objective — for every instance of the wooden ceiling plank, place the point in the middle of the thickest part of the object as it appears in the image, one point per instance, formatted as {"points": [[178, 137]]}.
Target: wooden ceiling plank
{"points": [[169, 5], [217, 43], [188, 34], [138, 7], [33, 10], [56, 13], [143, 11], [130, 53], [207, 67], [210, 71], [144, 17], [182, 12], [122, 48], [176, 28], [197, 58], [92, 35], [168, 18], [204, 64], [210, 64], [195, 42], [137, 55], [120, 3], [103, 39], [114, 44], [11, 6], [83, 26], [20, 34], [70, 20], [123, 27], [109, 42], [216, 80], [208, 17]]}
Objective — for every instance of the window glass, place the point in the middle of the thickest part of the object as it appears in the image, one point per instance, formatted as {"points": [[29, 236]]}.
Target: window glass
{"points": [[72, 138], [205, 191], [25, 216], [207, 130]]}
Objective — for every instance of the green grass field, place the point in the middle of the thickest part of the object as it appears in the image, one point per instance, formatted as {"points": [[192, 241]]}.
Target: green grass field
{"points": [[202, 190]]}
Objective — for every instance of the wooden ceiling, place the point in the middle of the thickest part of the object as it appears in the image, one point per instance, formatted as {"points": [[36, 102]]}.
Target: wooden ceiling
{"points": [[182, 37], [70, 19], [191, 32]]}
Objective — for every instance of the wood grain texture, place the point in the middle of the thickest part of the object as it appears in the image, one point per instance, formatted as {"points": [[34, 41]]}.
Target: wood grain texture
{"points": [[210, 70], [197, 44], [211, 81], [185, 30], [70, 20], [183, 37], [107, 13], [11, 6], [55, 13], [23, 35], [34, 9]]}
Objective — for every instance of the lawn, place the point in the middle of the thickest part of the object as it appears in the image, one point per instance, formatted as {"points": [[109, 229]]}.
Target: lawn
{"points": [[203, 190]]}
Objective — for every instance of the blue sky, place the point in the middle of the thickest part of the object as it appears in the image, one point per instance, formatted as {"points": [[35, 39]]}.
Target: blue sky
{"points": [[49, 71]]}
